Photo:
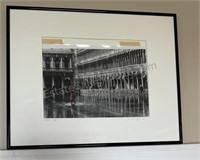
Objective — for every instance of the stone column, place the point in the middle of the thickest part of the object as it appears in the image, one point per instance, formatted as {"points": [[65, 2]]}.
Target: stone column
{"points": [[43, 63], [133, 82], [128, 80], [108, 82], [62, 86], [121, 82], [137, 83], [117, 84], [53, 85], [144, 53], [70, 62], [61, 62], [44, 86], [142, 80], [124, 79], [52, 63], [111, 82]]}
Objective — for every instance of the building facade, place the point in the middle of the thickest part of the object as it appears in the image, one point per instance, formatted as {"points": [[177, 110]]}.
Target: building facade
{"points": [[113, 70], [58, 73]]}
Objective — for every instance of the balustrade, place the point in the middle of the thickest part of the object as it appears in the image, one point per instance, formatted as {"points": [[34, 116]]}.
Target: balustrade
{"points": [[128, 57]]}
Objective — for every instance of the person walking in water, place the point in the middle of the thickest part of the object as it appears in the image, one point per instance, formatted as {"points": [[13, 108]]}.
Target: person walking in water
{"points": [[72, 98]]}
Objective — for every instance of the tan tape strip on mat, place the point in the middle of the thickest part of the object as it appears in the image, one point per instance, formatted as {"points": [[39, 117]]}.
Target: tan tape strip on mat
{"points": [[123, 43], [52, 41]]}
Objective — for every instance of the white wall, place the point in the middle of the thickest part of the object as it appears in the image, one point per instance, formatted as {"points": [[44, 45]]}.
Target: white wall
{"points": [[172, 152]]}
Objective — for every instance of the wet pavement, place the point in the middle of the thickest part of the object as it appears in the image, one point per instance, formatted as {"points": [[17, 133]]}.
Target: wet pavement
{"points": [[112, 105]]}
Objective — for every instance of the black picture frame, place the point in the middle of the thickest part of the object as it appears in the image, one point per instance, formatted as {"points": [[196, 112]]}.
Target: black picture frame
{"points": [[10, 76]]}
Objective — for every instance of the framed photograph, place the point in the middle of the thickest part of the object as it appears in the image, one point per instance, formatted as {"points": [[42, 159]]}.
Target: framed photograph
{"points": [[91, 78]]}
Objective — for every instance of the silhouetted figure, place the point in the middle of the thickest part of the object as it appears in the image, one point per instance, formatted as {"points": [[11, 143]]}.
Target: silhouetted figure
{"points": [[141, 89], [72, 98]]}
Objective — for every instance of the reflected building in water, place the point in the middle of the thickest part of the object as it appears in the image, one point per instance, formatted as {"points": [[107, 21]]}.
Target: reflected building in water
{"points": [[104, 82]]}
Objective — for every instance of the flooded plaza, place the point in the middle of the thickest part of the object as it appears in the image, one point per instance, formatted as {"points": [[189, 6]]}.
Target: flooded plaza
{"points": [[91, 105]]}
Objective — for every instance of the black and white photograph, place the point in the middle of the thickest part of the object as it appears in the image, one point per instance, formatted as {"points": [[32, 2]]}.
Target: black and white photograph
{"points": [[88, 82]]}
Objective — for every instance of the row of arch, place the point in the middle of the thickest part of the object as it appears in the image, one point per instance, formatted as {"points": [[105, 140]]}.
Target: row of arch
{"points": [[125, 58], [128, 80]]}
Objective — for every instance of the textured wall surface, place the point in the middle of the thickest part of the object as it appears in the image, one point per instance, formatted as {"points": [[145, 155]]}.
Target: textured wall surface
{"points": [[188, 39]]}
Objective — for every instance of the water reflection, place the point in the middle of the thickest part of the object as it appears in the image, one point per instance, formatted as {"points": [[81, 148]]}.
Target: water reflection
{"points": [[91, 105]]}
